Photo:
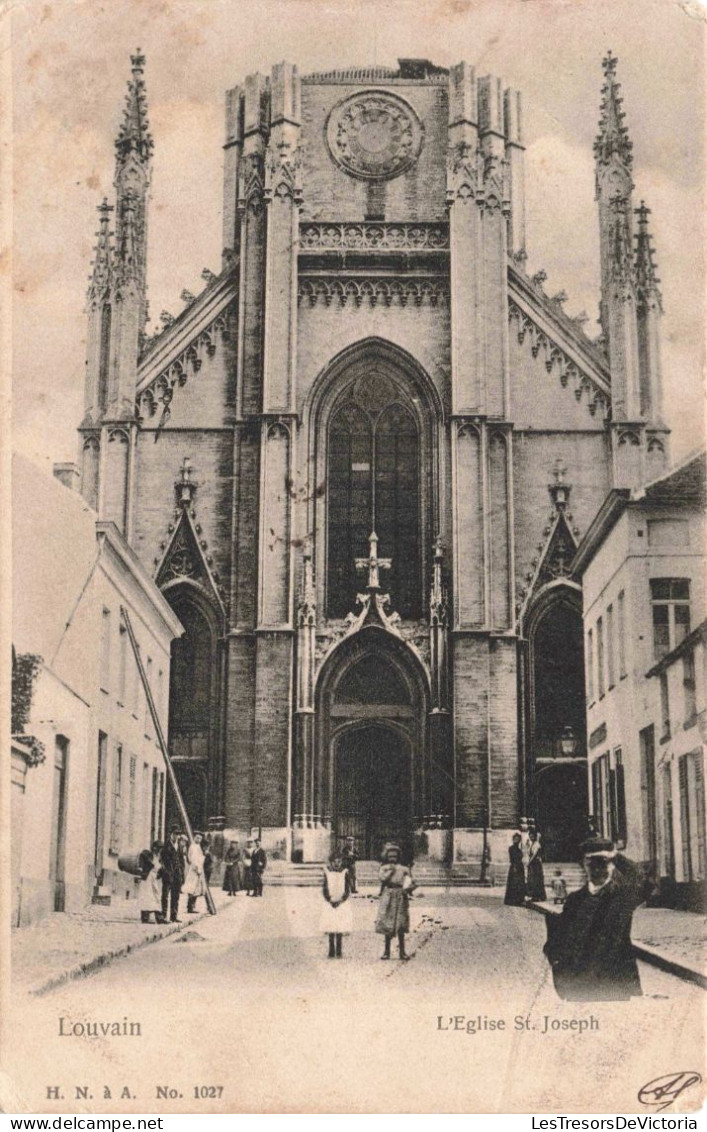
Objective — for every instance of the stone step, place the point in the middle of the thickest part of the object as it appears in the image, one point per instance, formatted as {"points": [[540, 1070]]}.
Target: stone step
{"points": [[427, 873]]}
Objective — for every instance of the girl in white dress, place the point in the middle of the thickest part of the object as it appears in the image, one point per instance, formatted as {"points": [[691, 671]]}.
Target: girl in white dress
{"points": [[337, 914]]}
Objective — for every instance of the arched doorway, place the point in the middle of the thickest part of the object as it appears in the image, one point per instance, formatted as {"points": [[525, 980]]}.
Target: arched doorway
{"points": [[370, 765], [193, 699], [557, 770]]}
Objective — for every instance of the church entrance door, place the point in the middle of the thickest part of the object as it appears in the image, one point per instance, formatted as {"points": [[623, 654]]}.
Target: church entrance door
{"points": [[373, 788]]}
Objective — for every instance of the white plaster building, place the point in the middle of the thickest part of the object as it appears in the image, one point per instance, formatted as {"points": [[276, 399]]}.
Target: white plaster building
{"points": [[100, 789], [642, 568]]}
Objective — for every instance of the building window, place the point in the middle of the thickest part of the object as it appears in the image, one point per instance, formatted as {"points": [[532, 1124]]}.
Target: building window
{"points": [[122, 663], [101, 772], [590, 666], [145, 813], [115, 817], [688, 680], [621, 621], [609, 795], [610, 644], [692, 816], [148, 715], [600, 657], [105, 651], [668, 855], [664, 707], [373, 485], [154, 816], [131, 800], [670, 599]]}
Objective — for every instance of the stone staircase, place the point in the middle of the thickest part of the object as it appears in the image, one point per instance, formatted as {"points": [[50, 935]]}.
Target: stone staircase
{"points": [[427, 874]]}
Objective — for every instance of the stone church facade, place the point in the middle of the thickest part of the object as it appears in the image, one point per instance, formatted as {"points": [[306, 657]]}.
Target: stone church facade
{"points": [[359, 462]]}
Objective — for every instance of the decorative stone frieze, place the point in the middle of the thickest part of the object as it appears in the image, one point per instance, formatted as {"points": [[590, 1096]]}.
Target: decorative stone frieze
{"points": [[374, 236], [387, 292]]}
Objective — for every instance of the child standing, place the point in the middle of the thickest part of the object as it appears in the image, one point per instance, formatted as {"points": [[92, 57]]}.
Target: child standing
{"points": [[559, 888], [337, 914]]}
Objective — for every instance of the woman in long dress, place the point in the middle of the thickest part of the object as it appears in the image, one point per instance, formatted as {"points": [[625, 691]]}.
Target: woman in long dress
{"points": [[231, 875], [337, 914], [149, 897], [195, 882], [536, 878], [515, 885], [393, 917]]}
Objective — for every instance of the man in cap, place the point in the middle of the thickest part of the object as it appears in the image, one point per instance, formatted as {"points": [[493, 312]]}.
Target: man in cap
{"points": [[589, 945]]}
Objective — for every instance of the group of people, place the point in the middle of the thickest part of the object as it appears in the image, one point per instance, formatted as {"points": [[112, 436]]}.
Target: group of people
{"points": [[244, 870], [526, 879], [169, 869], [393, 914]]}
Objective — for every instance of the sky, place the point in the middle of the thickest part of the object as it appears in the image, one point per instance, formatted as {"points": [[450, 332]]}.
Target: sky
{"points": [[71, 63]]}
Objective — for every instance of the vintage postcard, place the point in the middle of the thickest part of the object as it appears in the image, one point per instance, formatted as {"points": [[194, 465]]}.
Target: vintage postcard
{"points": [[357, 621]]}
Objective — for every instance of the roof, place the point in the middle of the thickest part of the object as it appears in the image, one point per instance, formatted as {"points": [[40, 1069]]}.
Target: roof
{"points": [[682, 486], [54, 553]]}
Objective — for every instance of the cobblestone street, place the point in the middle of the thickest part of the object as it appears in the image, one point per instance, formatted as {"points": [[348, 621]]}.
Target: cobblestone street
{"points": [[312, 1034]]}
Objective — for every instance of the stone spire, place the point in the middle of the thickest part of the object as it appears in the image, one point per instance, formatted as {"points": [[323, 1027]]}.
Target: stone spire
{"points": [[646, 278], [133, 149], [612, 143], [649, 310], [614, 186], [101, 275]]}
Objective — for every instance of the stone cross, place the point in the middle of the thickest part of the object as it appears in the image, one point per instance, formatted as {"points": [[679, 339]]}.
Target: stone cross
{"points": [[373, 563]]}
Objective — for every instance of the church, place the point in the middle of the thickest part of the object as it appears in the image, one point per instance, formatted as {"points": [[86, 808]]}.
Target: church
{"points": [[358, 464]]}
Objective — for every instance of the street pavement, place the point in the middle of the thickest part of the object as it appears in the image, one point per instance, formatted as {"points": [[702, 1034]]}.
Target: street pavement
{"points": [[248, 1003]]}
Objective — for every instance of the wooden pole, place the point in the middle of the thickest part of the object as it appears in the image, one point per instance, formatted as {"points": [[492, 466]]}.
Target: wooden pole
{"points": [[163, 747]]}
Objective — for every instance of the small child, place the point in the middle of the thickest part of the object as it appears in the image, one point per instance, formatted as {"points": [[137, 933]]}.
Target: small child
{"points": [[337, 914], [559, 888]]}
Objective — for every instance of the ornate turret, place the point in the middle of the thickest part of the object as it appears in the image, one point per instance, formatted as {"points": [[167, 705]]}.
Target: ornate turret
{"points": [[133, 149], [614, 186], [649, 311], [117, 314]]}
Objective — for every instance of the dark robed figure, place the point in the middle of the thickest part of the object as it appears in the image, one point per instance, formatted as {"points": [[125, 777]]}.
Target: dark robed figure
{"points": [[589, 944]]}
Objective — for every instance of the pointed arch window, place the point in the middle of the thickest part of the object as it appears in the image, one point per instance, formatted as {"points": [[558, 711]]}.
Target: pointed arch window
{"points": [[373, 484]]}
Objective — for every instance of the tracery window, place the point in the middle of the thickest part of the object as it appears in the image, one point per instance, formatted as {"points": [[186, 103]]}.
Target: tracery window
{"points": [[373, 485]]}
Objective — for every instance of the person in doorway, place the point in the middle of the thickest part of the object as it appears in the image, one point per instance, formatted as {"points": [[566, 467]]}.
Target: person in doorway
{"points": [[349, 857], [515, 885], [589, 945], [195, 883], [393, 918], [258, 865], [337, 914], [231, 874], [172, 875], [150, 893], [535, 884]]}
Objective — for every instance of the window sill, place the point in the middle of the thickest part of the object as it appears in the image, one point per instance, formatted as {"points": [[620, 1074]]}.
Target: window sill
{"points": [[665, 738], [690, 721]]}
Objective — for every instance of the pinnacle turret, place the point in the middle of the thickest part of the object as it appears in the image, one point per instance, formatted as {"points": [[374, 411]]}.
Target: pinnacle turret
{"points": [[646, 278], [612, 140], [100, 278], [134, 136]]}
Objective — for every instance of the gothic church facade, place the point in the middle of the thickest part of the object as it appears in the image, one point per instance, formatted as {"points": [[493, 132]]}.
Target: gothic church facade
{"points": [[359, 462]]}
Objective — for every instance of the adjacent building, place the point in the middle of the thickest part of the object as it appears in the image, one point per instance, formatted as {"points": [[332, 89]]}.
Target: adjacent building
{"points": [[88, 777], [642, 570], [388, 439]]}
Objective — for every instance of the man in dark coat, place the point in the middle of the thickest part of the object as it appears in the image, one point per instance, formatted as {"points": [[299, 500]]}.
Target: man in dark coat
{"points": [[172, 875], [589, 945], [257, 868]]}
